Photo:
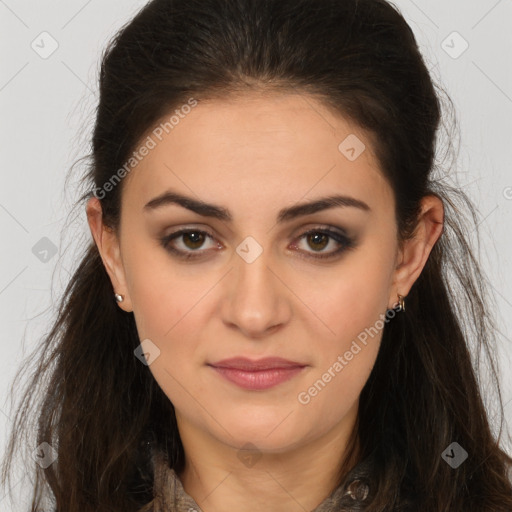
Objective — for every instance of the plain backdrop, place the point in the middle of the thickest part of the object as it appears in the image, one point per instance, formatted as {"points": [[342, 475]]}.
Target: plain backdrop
{"points": [[49, 62]]}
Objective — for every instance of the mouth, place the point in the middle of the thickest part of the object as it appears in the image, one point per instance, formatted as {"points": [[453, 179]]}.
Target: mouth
{"points": [[257, 374]]}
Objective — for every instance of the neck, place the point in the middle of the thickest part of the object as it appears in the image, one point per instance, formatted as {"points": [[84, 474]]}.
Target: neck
{"points": [[296, 480]]}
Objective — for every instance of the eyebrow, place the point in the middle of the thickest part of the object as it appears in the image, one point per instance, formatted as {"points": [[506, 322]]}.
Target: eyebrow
{"points": [[285, 214]]}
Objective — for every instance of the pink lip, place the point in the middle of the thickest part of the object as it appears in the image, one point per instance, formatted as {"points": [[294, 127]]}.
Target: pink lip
{"points": [[259, 374]]}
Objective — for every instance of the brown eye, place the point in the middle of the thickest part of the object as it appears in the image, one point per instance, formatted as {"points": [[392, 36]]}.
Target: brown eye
{"points": [[188, 243], [191, 241], [319, 239]]}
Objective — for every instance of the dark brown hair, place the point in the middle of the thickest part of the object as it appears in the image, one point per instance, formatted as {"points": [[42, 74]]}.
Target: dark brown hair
{"points": [[102, 410]]}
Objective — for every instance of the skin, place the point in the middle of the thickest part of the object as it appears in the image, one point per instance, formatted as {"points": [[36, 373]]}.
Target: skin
{"points": [[254, 155]]}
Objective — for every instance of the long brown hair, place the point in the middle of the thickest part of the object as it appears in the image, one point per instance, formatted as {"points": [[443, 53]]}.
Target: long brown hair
{"points": [[102, 411]]}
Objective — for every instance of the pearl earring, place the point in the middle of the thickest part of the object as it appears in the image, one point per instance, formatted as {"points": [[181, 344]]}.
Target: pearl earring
{"points": [[118, 297]]}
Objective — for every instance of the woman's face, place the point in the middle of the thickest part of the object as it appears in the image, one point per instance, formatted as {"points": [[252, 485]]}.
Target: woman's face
{"points": [[255, 285]]}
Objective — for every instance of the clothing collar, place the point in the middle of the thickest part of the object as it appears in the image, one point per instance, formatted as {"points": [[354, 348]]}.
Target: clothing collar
{"points": [[170, 496]]}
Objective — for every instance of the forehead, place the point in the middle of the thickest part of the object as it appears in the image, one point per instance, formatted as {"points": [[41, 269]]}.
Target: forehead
{"points": [[264, 148]]}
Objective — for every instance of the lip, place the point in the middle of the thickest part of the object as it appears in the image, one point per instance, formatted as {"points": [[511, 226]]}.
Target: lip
{"points": [[257, 374], [246, 364]]}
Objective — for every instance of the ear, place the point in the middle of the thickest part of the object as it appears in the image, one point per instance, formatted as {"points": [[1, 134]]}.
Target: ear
{"points": [[107, 243], [414, 253]]}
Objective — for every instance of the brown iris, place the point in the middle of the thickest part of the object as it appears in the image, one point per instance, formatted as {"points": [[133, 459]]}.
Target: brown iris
{"points": [[196, 238], [316, 237]]}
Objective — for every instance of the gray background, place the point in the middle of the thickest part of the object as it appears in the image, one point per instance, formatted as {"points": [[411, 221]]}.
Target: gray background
{"points": [[47, 104]]}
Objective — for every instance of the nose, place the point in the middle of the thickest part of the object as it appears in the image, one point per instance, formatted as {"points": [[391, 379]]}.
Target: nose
{"points": [[255, 300]]}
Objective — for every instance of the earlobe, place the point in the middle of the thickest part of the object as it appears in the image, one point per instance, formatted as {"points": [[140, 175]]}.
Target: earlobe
{"points": [[415, 251], [107, 243]]}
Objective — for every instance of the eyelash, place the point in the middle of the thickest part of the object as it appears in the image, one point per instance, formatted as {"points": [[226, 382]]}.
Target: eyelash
{"points": [[345, 242]]}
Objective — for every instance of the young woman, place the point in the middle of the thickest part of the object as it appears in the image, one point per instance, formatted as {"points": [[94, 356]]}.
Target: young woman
{"points": [[279, 307]]}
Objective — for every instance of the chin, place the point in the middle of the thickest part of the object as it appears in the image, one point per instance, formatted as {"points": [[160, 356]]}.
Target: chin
{"points": [[266, 434]]}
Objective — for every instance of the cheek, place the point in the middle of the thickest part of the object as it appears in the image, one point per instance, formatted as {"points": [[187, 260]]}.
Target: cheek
{"points": [[333, 391], [161, 296], [353, 308], [352, 298], [166, 310], [346, 357], [169, 315]]}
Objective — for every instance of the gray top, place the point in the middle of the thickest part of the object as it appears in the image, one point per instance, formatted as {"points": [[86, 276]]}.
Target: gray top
{"points": [[350, 496]]}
